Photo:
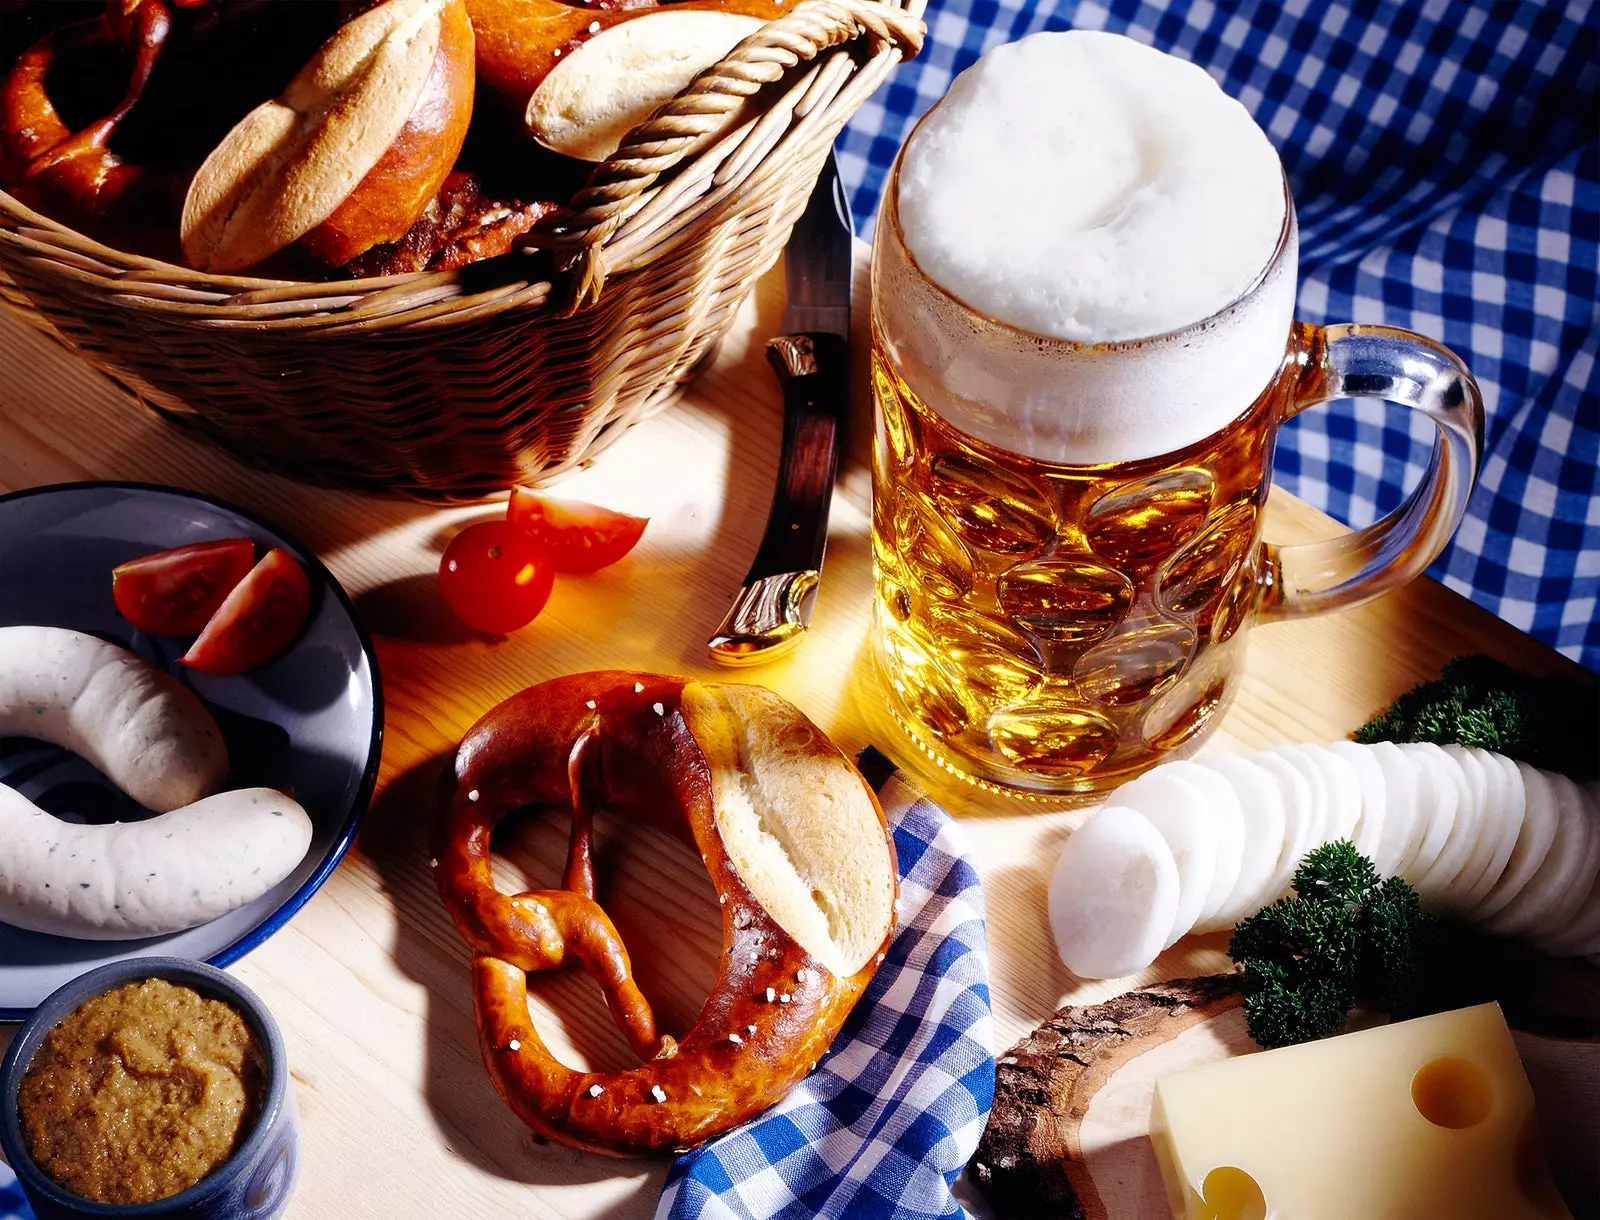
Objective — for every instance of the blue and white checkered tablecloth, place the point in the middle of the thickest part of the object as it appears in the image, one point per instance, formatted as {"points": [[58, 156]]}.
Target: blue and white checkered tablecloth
{"points": [[1445, 161]]}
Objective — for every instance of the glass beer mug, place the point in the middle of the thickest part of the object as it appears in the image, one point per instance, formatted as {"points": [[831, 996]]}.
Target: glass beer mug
{"points": [[1052, 627]]}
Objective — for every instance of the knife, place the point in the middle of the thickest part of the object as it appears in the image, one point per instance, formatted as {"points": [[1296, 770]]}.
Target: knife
{"points": [[812, 359]]}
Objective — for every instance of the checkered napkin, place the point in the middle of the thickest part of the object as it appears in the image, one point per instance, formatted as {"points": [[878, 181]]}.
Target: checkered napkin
{"points": [[888, 1119], [1445, 160]]}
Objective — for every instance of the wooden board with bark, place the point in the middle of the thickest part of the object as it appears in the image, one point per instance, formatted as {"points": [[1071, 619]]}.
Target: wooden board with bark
{"points": [[1068, 1134]]}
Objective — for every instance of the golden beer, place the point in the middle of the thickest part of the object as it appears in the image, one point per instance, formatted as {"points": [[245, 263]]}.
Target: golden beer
{"points": [[1068, 482], [1046, 626]]}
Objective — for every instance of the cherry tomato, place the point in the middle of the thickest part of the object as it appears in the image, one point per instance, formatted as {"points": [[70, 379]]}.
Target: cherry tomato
{"points": [[257, 621], [495, 577], [176, 592], [580, 537]]}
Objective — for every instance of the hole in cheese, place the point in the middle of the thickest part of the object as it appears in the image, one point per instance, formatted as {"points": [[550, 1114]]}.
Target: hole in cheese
{"points": [[1232, 1194], [1452, 1092]]}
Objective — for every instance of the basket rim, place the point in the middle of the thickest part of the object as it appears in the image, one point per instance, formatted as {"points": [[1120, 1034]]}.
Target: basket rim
{"points": [[619, 190]]}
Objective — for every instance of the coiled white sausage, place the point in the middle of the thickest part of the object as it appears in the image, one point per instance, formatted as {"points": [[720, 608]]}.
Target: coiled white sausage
{"points": [[202, 856], [147, 733], [130, 879]]}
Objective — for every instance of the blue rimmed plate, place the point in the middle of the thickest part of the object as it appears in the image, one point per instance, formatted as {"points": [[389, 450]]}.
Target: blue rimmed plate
{"points": [[309, 722]]}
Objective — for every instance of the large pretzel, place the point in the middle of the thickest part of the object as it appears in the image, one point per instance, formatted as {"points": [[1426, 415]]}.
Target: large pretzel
{"points": [[699, 761], [75, 173]]}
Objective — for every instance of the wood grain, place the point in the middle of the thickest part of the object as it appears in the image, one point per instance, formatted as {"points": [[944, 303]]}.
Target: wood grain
{"points": [[1032, 1156], [370, 981]]}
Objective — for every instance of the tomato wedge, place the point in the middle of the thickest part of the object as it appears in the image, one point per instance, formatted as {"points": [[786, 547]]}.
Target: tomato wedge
{"points": [[579, 537], [176, 592], [257, 621]]}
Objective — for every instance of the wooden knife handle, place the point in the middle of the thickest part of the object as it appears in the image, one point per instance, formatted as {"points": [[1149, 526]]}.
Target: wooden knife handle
{"points": [[814, 371]]}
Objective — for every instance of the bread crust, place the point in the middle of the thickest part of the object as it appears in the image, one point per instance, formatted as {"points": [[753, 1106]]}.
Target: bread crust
{"points": [[799, 825], [293, 163], [621, 76], [396, 191], [521, 41], [620, 740]]}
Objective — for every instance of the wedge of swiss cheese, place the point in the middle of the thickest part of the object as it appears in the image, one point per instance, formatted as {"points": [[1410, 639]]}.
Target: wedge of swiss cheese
{"points": [[1426, 1118]]}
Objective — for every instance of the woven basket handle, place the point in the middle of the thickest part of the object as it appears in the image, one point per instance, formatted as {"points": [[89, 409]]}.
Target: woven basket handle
{"points": [[706, 111]]}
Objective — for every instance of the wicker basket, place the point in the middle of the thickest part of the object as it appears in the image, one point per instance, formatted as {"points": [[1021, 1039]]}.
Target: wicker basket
{"points": [[454, 385]]}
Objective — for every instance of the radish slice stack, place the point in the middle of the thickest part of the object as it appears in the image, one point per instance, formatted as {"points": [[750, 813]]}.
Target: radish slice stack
{"points": [[1197, 846]]}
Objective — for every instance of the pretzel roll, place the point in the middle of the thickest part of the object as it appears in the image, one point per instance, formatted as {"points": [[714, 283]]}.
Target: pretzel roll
{"points": [[349, 155], [521, 41], [794, 842]]}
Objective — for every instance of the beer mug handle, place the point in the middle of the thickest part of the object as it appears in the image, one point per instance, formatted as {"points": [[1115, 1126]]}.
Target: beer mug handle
{"points": [[1356, 361]]}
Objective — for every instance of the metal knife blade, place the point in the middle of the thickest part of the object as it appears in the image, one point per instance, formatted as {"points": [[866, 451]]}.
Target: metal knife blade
{"points": [[819, 261], [812, 358]]}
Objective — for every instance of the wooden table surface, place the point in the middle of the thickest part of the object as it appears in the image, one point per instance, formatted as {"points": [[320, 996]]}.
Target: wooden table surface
{"points": [[370, 981]]}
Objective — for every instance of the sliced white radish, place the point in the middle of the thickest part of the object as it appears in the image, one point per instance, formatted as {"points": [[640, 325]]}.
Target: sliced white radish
{"points": [[1369, 826], [1261, 802], [1573, 803], [1227, 817], [1113, 895], [1437, 793], [1438, 886], [1483, 780], [1187, 786], [1300, 760], [1180, 817], [1581, 937], [1551, 896], [1343, 787], [1480, 836], [1502, 824], [1403, 823], [1588, 796], [1297, 816], [1532, 846]]}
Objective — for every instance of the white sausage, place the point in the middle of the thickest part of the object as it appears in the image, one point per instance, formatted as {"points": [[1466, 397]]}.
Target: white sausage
{"points": [[147, 733], [124, 880]]}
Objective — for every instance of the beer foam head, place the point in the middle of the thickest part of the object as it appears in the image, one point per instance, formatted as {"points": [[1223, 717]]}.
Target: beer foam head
{"points": [[1117, 215], [1085, 186]]}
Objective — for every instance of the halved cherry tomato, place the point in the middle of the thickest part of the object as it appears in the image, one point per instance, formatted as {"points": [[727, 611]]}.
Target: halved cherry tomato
{"points": [[580, 537], [176, 592], [495, 577], [257, 621]]}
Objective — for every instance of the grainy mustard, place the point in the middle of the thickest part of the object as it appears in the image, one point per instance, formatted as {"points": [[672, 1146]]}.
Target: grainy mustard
{"points": [[139, 1093]]}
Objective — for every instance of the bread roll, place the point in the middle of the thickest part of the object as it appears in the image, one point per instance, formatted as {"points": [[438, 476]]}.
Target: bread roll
{"points": [[359, 142], [797, 821], [616, 80], [521, 41]]}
